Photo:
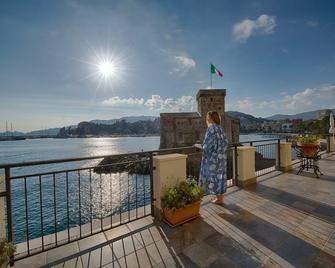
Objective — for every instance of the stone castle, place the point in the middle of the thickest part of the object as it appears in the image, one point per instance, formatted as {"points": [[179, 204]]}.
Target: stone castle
{"points": [[186, 129]]}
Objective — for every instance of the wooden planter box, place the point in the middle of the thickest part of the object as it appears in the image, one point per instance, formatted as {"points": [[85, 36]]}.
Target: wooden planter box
{"points": [[182, 215], [309, 149]]}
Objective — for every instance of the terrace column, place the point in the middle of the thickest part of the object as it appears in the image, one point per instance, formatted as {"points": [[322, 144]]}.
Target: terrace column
{"points": [[285, 156], [2, 209], [169, 170], [246, 165], [331, 144]]}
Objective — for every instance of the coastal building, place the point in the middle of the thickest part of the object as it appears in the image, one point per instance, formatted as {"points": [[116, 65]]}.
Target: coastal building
{"points": [[271, 126], [186, 129], [287, 127]]}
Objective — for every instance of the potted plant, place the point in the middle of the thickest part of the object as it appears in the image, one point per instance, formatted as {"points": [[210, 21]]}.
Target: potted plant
{"points": [[181, 203], [7, 249], [309, 145]]}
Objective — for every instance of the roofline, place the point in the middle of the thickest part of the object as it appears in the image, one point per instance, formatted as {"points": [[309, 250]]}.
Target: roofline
{"points": [[211, 92]]}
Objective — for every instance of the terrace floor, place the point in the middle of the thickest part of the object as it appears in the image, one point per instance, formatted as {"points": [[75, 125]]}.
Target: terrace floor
{"points": [[285, 220]]}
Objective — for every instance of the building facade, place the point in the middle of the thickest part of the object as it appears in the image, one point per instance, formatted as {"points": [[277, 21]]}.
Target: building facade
{"points": [[186, 129]]}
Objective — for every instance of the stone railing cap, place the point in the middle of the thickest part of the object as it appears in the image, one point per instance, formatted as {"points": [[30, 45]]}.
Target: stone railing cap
{"points": [[170, 157], [245, 148]]}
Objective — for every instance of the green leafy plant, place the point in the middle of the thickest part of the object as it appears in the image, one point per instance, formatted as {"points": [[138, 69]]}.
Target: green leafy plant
{"points": [[186, 192], [7, 249], [308, 139]]}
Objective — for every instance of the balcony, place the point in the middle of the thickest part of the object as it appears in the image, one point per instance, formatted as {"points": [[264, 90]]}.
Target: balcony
{"points": [[284, 220]]}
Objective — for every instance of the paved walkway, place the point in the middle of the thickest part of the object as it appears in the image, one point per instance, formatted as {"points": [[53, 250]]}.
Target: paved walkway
{"points": [[285, 220]]}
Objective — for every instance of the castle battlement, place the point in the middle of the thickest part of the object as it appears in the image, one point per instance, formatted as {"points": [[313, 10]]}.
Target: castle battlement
{"points": [[186, 129]]}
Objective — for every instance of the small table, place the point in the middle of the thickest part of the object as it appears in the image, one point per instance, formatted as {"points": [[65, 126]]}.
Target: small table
{"points": [[309, 162]]}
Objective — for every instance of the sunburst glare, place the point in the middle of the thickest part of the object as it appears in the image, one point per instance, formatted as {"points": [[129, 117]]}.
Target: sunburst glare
{"points": [[106, 68]]}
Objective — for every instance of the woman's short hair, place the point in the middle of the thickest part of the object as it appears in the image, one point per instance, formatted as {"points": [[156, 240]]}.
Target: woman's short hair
{"points": [[215, 117]]}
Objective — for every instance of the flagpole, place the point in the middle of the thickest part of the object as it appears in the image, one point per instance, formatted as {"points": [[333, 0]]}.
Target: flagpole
{"points": [[210, 73], [211, 80]]}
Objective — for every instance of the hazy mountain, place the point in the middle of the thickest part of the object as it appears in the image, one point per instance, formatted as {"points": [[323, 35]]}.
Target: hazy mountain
{"points": [[304, 116], [245, 118], [120, 127], [128, 119], [44, 132]]}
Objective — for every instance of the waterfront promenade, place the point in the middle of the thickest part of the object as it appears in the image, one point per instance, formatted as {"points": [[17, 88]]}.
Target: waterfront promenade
{"points": [[285, 220]]}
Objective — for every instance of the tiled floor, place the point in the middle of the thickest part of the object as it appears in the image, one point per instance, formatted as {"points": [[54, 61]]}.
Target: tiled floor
{"points": [[284, 221]]}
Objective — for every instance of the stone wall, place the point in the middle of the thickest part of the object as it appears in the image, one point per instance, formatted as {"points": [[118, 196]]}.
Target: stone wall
{"points": [[186, 129]]}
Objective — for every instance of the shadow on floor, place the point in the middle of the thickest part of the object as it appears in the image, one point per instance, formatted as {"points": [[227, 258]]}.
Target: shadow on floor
{"points": [[289, 247], [194, 244], [300, 203]]}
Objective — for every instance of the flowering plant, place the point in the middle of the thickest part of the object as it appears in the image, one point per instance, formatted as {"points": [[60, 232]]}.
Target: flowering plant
{"points": [[7, 249], [308, 139], [186, 192]]}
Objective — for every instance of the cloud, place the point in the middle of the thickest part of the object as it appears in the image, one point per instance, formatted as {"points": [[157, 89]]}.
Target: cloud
{"points": [[264, 24], [185, 63], [312, 23], [155, 103], [119, 102], [305, 97], [184, 103], [309, 98], [167, 36], [181, 62]]}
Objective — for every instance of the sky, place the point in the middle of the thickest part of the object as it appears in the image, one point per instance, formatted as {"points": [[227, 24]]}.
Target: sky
{"points": [[276, 57]]}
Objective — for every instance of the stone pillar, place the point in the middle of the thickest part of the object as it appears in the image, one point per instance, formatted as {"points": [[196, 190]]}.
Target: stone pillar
{"points": [[285, 156], [169, 170], [246, 174], [331, 144], [2, 209]]}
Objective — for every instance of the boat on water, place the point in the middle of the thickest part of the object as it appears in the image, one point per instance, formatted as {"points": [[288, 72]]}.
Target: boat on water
{"points": [[12, 138]]}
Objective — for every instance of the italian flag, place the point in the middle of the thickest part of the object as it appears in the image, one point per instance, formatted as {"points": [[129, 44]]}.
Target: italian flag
{"points": [[215, 71]]}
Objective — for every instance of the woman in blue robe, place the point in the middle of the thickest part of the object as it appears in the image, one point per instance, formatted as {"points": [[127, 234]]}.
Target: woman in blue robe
{"points": [[213, 174]]}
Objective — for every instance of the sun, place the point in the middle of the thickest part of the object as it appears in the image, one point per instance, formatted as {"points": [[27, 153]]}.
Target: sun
{"points": [[107, 68]]}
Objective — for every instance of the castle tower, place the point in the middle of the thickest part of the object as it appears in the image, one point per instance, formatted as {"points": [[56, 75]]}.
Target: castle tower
{"points": [[186, 129], [211, 100]]}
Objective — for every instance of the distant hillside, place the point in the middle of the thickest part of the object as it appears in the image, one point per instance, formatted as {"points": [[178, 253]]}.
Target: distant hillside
{"points": [[245, 118], [304, 116], [128, 119], [42, 132], [120, 127]]}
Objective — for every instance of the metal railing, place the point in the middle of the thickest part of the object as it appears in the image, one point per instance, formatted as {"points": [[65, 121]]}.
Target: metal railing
{"points": [[50, 203], [57, 207], [267, 155], [54, 202]]}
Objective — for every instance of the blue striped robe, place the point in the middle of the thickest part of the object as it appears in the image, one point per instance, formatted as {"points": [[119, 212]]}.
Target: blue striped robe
{"points": [[213, 172]]}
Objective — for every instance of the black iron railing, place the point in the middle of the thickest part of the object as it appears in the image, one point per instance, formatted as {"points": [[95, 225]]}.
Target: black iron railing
{"points": [[53, 202], [267, 155], [57, 207]]}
